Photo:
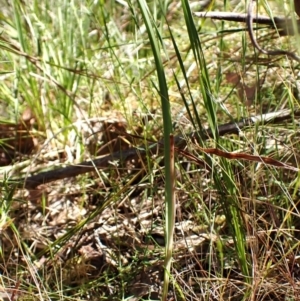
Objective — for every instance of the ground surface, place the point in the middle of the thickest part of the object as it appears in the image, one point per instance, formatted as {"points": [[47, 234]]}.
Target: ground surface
{"points": [[79, 84]]}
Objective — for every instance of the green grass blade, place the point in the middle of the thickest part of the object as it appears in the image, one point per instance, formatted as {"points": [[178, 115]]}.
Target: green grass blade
{"points": [[204, 80], [155, 38]]}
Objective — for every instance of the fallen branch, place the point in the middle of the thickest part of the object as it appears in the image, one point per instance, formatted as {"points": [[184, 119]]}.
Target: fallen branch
{"points": [[151, 148], [284, 26]]}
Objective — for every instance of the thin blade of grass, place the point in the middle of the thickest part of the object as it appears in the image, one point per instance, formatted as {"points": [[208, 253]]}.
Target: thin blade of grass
{"points": [[155, 39]]}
